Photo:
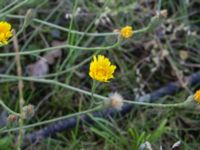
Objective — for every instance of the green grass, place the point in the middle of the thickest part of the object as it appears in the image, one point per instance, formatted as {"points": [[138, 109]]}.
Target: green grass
{"points": [[141, 68]]}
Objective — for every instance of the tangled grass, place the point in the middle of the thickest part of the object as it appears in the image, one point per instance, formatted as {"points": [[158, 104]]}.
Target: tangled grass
{"points": [[44, 72]]}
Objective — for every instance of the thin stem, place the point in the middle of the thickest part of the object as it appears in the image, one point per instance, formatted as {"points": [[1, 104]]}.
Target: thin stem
{"points": [[156, 105], [183, 104], [14, 8], [9, 5], [54, 120], [59, 47], [54, 82], [74, 31], [69, 69], [94, 85], [20, 87], [7, 108], [95, 95], [7, 80]]}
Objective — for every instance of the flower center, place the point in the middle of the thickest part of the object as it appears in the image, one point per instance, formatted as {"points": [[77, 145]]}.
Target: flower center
{"points": [[102, 72], [2, 29]]}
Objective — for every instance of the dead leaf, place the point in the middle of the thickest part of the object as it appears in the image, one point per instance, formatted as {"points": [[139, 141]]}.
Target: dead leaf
{"points": [[38, 69], [51, 56], [41, 67]]}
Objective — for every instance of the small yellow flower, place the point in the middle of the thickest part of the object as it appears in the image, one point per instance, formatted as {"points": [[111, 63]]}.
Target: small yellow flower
{"points": [[197, 96], [101, 69], [126, 32], [5, 32]]}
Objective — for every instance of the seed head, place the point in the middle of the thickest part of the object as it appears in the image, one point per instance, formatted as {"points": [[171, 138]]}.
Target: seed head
{"points": [[116, 100]]}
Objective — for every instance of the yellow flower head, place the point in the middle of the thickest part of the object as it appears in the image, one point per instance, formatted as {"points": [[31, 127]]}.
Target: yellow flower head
{"points": [[5, 32], [126, 32], [101, 69], [197, 96]]}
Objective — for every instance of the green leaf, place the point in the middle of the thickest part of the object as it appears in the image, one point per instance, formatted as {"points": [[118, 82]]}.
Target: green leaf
{"points": [[159, 131]]}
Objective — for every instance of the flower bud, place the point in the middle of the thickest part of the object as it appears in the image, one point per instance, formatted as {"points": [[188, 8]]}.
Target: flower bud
{"points": [[28, 111]]}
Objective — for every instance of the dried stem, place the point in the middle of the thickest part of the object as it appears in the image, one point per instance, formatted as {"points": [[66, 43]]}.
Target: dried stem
{"points": [[20, 87]]}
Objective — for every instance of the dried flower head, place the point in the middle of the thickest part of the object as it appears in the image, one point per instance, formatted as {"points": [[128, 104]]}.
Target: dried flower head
{"points": [[116, 100], [164, 13], [197, 96], [101, 69], [126, 32], [5, 32], [12, 118], [28, 111]]}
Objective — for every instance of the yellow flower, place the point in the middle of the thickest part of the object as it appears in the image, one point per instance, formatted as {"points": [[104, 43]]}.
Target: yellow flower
{"points": [[126, 32], [5, 32], [197, 96], [101, 69]]}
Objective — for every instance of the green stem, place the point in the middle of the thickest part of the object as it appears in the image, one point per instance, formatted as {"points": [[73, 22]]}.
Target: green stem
{"points": [[59, 47], [58, 73], [7, 108], [94, 85], [54, 120], [14, 8], [156, 105], [74, 31], [54, 82], [183, 104], [69, 69], [48, 81], [9, 5]]}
